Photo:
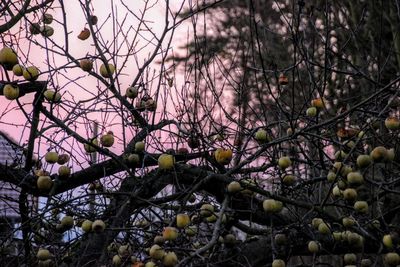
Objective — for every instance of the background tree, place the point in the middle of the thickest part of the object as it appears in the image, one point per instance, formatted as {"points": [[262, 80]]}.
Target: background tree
{"points": [[273, 138]]}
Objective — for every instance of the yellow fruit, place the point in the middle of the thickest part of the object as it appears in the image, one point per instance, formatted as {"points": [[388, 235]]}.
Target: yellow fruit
{"points": [[337, 236], [350, 194], [311, 112], [392, 259], [166, 162], [124, 251], [43, 254], [350, 258], [18, 70], [234, 187], [316, 222], [86, 64], [379, 154], [361, 206], [278, 263], [46, 30], [139, 147], [323, 228], [392, 123], [105, 73], [44, 183], [170, 259], [313, 247], [98, 226], [87, 226], [206, 210], [52, 96], [390, 154], [170, 233], [363, 161], [261, 136], [336, 192], [355, 178], [272, 206], [348, 222], [340, 155], [8, 58], [156, 252], [31, 73], [182, 220], [289, 180], [11, 92], [132, 92], [284, 162], [62, 159], [331, 177], [212, 219], [133, 159], [387, 241], [64, 171], [47, 18], [223, 156], [67, 222], [150, 264], [116, 260], [51, 157], [107, 140], [84, 34], [91, 149]]}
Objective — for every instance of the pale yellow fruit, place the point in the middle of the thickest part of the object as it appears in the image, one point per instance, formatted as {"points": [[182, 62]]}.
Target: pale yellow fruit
{"points": [[336, 192], [98, 226], [52, 96], [261, 136], [361, 206], [316, 222], [311, 112], [46, 30], [348, 222], [8, 58], [116, 260], [11, 92], [182, 220], [87, 226], [313, 247], [363, 161], [107, 140], [31, 73], [139, 147], [337, 236], [331, 177], [170, 259], [47, 18], [206, 210], [284, 162], [280, 239], [124, 251], [150, 264], [64, 171], [355, 178], [211, 219], [324, 229], [392, 259], [43, 254], [134, 159], [170, 233], [44, 183], [51, 157], [350, 258], [350, 194], [91, 149], [18, 70], [159, 240], [67, 222], [166, 162], [289, 180], [132, 92], [156, 252], [105, 73], [234, 187], [387, 241], [278, 263]]}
